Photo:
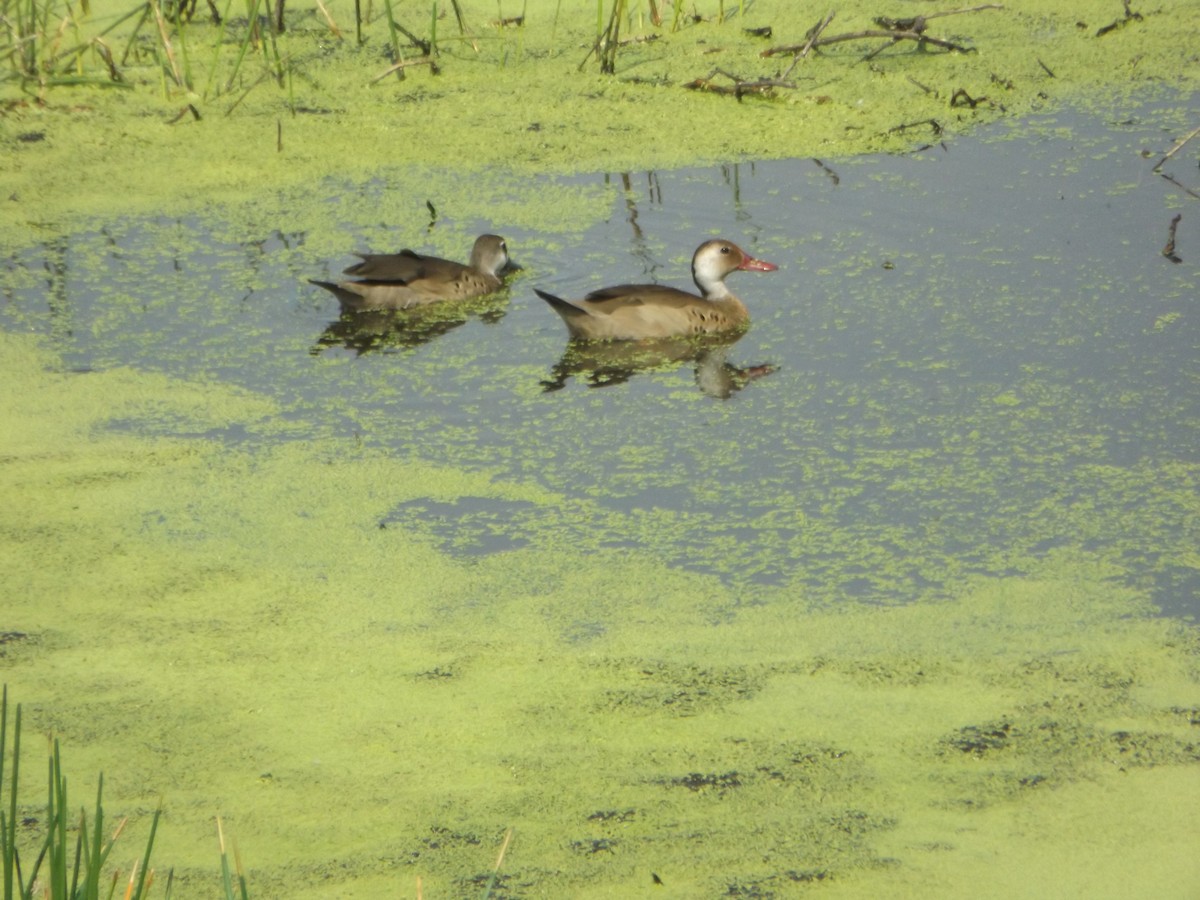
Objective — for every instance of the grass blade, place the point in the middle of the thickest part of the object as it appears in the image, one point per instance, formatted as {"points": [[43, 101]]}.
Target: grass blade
{"points": [[487, 891]]}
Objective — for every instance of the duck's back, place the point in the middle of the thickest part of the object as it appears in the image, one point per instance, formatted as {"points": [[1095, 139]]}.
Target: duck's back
{"points": [[637, 311]]}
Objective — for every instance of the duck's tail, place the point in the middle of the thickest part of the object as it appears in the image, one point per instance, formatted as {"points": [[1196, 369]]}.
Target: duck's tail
{"points": [[349, 300], [561, 306]]}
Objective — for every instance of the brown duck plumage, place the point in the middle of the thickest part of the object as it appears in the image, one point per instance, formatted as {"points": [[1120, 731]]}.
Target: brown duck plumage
{"points": [[631, 312], [406, 279]]}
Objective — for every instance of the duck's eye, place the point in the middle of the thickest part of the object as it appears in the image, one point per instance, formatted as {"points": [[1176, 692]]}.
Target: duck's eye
{"points": [[725, 249]]}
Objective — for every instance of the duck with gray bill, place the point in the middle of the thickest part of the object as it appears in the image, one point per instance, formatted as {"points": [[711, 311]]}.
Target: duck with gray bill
{"points": [[407, 279]]}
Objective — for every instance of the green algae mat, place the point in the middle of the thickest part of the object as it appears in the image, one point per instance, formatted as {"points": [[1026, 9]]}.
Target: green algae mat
{"points": [[233, 632], [911, 616]]}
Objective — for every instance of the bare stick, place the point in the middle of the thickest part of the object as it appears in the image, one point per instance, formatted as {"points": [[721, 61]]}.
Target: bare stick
{"points": [[183, 112], [923, 87], [968, 9], [911, 24], [1130, 15], [932, 123], [1169, 250], [1175, 149], [891, 36], [739, 88], [329, 19], [404, 64], [1184, 188], [815, 32], [833, 176]]}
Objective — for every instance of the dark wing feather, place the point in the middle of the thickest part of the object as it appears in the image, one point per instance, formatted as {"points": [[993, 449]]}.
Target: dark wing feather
{"points": [[639, 294], [404, 267]]}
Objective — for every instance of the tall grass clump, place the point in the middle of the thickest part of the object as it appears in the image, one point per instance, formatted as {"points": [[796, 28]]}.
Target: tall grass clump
{"points": [[54, 43], [68, 862], [42, 45]]}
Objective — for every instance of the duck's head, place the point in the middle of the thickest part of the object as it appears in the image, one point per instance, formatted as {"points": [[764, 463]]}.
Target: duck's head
{"points": [[715, 260], [490, 254]]}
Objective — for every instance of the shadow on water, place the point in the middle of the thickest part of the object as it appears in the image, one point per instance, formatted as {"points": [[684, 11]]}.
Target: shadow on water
{"points": [[977, 354]]}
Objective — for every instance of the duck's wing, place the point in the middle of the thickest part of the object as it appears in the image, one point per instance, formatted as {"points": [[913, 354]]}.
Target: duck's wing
{"points": [[611, 299], [405, 267]]}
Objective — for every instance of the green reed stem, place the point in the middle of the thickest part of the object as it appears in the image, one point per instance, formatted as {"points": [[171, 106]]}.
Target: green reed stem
{"points": [[56, 818], [253, 18], [180, 29], [213, 66], [392, 32], [8, 824], [144, 9]]}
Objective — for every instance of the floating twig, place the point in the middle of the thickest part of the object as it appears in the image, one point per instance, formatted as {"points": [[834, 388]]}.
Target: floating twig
{"points": [[961, 98], [912, 29], [1130, 16], [916, 23], [892, 37], [932, 123], [1178, 146], [833, 176], [923, 87], [404, 64], [183, 112], [739, 88], [426, 47], [1046, 69], [1187, 190], [1169, 250], [812, 34]]}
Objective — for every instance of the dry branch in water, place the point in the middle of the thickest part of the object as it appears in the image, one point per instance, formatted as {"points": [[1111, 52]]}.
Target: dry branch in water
{"points": [[892, 38], [404, 64], [739, 88], [1178, 146], [1158, 167], [1130, 16], [961, 98], [1169, 250], [895, 30]]}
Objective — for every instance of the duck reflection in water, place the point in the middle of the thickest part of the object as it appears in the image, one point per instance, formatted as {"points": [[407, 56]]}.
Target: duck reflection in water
{"points": [[390, 330], [604, 363]]}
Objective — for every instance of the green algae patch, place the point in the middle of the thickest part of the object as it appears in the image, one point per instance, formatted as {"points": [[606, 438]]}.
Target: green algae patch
{"points": [[260, 630], [309, 104]]}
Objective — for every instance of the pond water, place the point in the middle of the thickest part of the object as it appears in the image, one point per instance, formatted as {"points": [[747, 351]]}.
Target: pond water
{"points": [[974, 347], [983, 382]]}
